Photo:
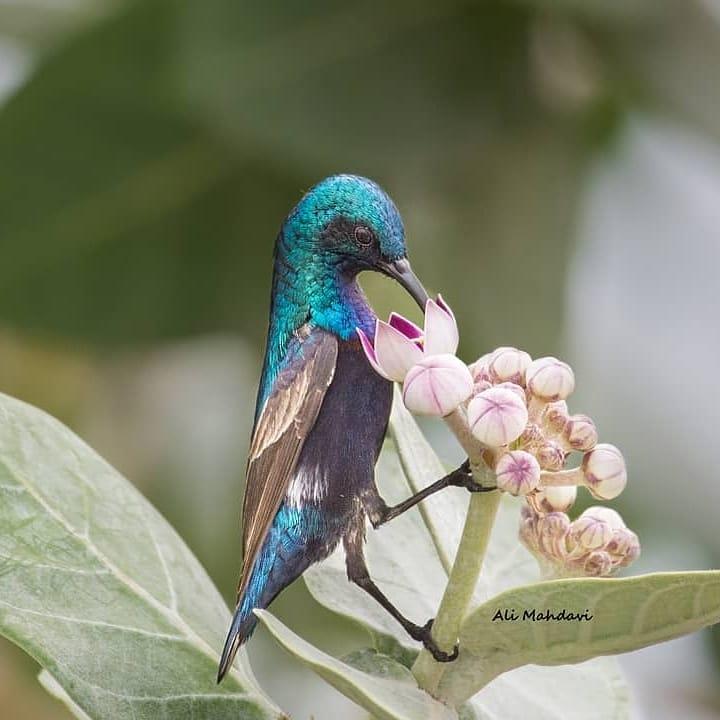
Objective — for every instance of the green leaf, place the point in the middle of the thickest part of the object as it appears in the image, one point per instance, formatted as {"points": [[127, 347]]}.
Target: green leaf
{"points": [[57, 691], [378, 664], [627, 614], [403, 558], [385, 691], [100, 590]]}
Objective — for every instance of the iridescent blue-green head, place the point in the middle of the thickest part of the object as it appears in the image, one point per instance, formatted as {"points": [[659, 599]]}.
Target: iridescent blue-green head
{"points": [[344, 225]]}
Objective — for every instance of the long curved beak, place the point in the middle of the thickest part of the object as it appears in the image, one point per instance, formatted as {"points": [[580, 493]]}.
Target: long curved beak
{"points": [[401, 271]]}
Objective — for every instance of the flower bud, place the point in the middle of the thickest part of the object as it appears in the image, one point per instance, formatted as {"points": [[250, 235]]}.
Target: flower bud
{"points": [[513, 387], [551, 456], [528, 530], [497, 416], [606, 515], [517, 473], [479, 369], [631, 548], [554, 499], [552, 531], [624, 546], [550, 379], [481, 386], [531, 436], [580, 433], [589, 532], [437, 385], [597, 564], [604, 471], [556, 416], [507, 364]]}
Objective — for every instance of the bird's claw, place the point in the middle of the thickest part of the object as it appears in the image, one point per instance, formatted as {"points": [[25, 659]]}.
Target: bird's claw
{"points": [[463, 477], [424, 635]]}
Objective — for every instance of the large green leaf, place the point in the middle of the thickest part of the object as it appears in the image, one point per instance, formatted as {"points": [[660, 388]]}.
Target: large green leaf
{"points": [[627, 614], [380, 687], [404, 559], [101, 591]]}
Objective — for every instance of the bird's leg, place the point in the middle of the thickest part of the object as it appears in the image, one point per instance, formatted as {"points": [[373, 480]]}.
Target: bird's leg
{"points": [[379, 512], [358, 573]]}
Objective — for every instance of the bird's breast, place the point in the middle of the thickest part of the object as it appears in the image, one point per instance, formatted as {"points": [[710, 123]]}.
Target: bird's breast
{"points": [[338, 459]]}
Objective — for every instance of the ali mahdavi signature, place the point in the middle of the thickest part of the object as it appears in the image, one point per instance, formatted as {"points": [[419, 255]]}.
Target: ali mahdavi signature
{"points": [[541, 615]]}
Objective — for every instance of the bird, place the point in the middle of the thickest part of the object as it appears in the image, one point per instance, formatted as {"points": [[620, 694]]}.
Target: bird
{"points": [[322, 411]]}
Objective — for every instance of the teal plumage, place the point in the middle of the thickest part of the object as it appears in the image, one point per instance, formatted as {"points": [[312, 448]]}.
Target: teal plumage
{"points": [[321, 411]]}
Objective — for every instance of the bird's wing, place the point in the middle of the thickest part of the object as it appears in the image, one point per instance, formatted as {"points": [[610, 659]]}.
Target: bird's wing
{"points": [[285, 421]]}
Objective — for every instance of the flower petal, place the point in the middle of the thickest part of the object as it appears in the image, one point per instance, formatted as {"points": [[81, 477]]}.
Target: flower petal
{"points": [[408, 328], [441, 331], [395, 352], [369, 350]]}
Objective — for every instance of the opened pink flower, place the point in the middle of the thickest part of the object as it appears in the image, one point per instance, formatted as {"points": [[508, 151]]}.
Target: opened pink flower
{"points": [[436, 382], [400, 343]]}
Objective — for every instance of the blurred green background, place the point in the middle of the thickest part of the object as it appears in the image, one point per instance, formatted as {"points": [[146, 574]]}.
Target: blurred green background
{"points": [[557, 164]]}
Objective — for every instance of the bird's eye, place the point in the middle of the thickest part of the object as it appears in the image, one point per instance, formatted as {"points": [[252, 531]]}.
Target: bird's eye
{"points": [[363, 236]]}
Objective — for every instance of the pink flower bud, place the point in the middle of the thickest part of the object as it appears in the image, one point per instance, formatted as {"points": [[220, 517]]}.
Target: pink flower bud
{"points": [[481, 386], [497, 416], [597, 564], [479, 369], [580, 433], [551, 456], [604, 471], [437, 385], [441, 331], [589, 532], [517, 473], [631, 548], [507, 364], [552, 531], [528, 533], [550, 379], [624, 547], [607, 515], [514, 387], [531, 436], [556, 416], [554, 499]]}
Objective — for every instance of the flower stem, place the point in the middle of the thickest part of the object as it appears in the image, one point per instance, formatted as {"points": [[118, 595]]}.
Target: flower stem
{"points": [[468, 562]]}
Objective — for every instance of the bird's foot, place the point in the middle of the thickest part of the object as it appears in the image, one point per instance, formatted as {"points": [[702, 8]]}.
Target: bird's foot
{"points": [[424, 635], [463, 477]]}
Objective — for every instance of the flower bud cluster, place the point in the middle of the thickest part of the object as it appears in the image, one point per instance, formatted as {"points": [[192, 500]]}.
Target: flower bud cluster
{"points": [[519, 410], [597, 543], [516, 410]]}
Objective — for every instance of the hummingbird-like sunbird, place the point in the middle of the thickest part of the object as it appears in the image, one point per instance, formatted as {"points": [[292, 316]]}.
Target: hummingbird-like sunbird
{"points": [[322, 411]]}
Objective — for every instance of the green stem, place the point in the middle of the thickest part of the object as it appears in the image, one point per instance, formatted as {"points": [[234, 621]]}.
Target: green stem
{"points": [[463, 577]]}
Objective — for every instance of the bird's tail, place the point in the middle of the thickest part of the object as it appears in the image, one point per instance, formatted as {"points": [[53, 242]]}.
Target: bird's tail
{"points": [[241, 628], [285, 555]]}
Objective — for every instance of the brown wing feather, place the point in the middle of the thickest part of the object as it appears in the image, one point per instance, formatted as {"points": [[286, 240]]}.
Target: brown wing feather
{"points": [[286, 419]]}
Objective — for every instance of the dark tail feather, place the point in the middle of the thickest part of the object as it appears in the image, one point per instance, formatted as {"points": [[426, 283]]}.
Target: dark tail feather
{"points": [[241, 628]]}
